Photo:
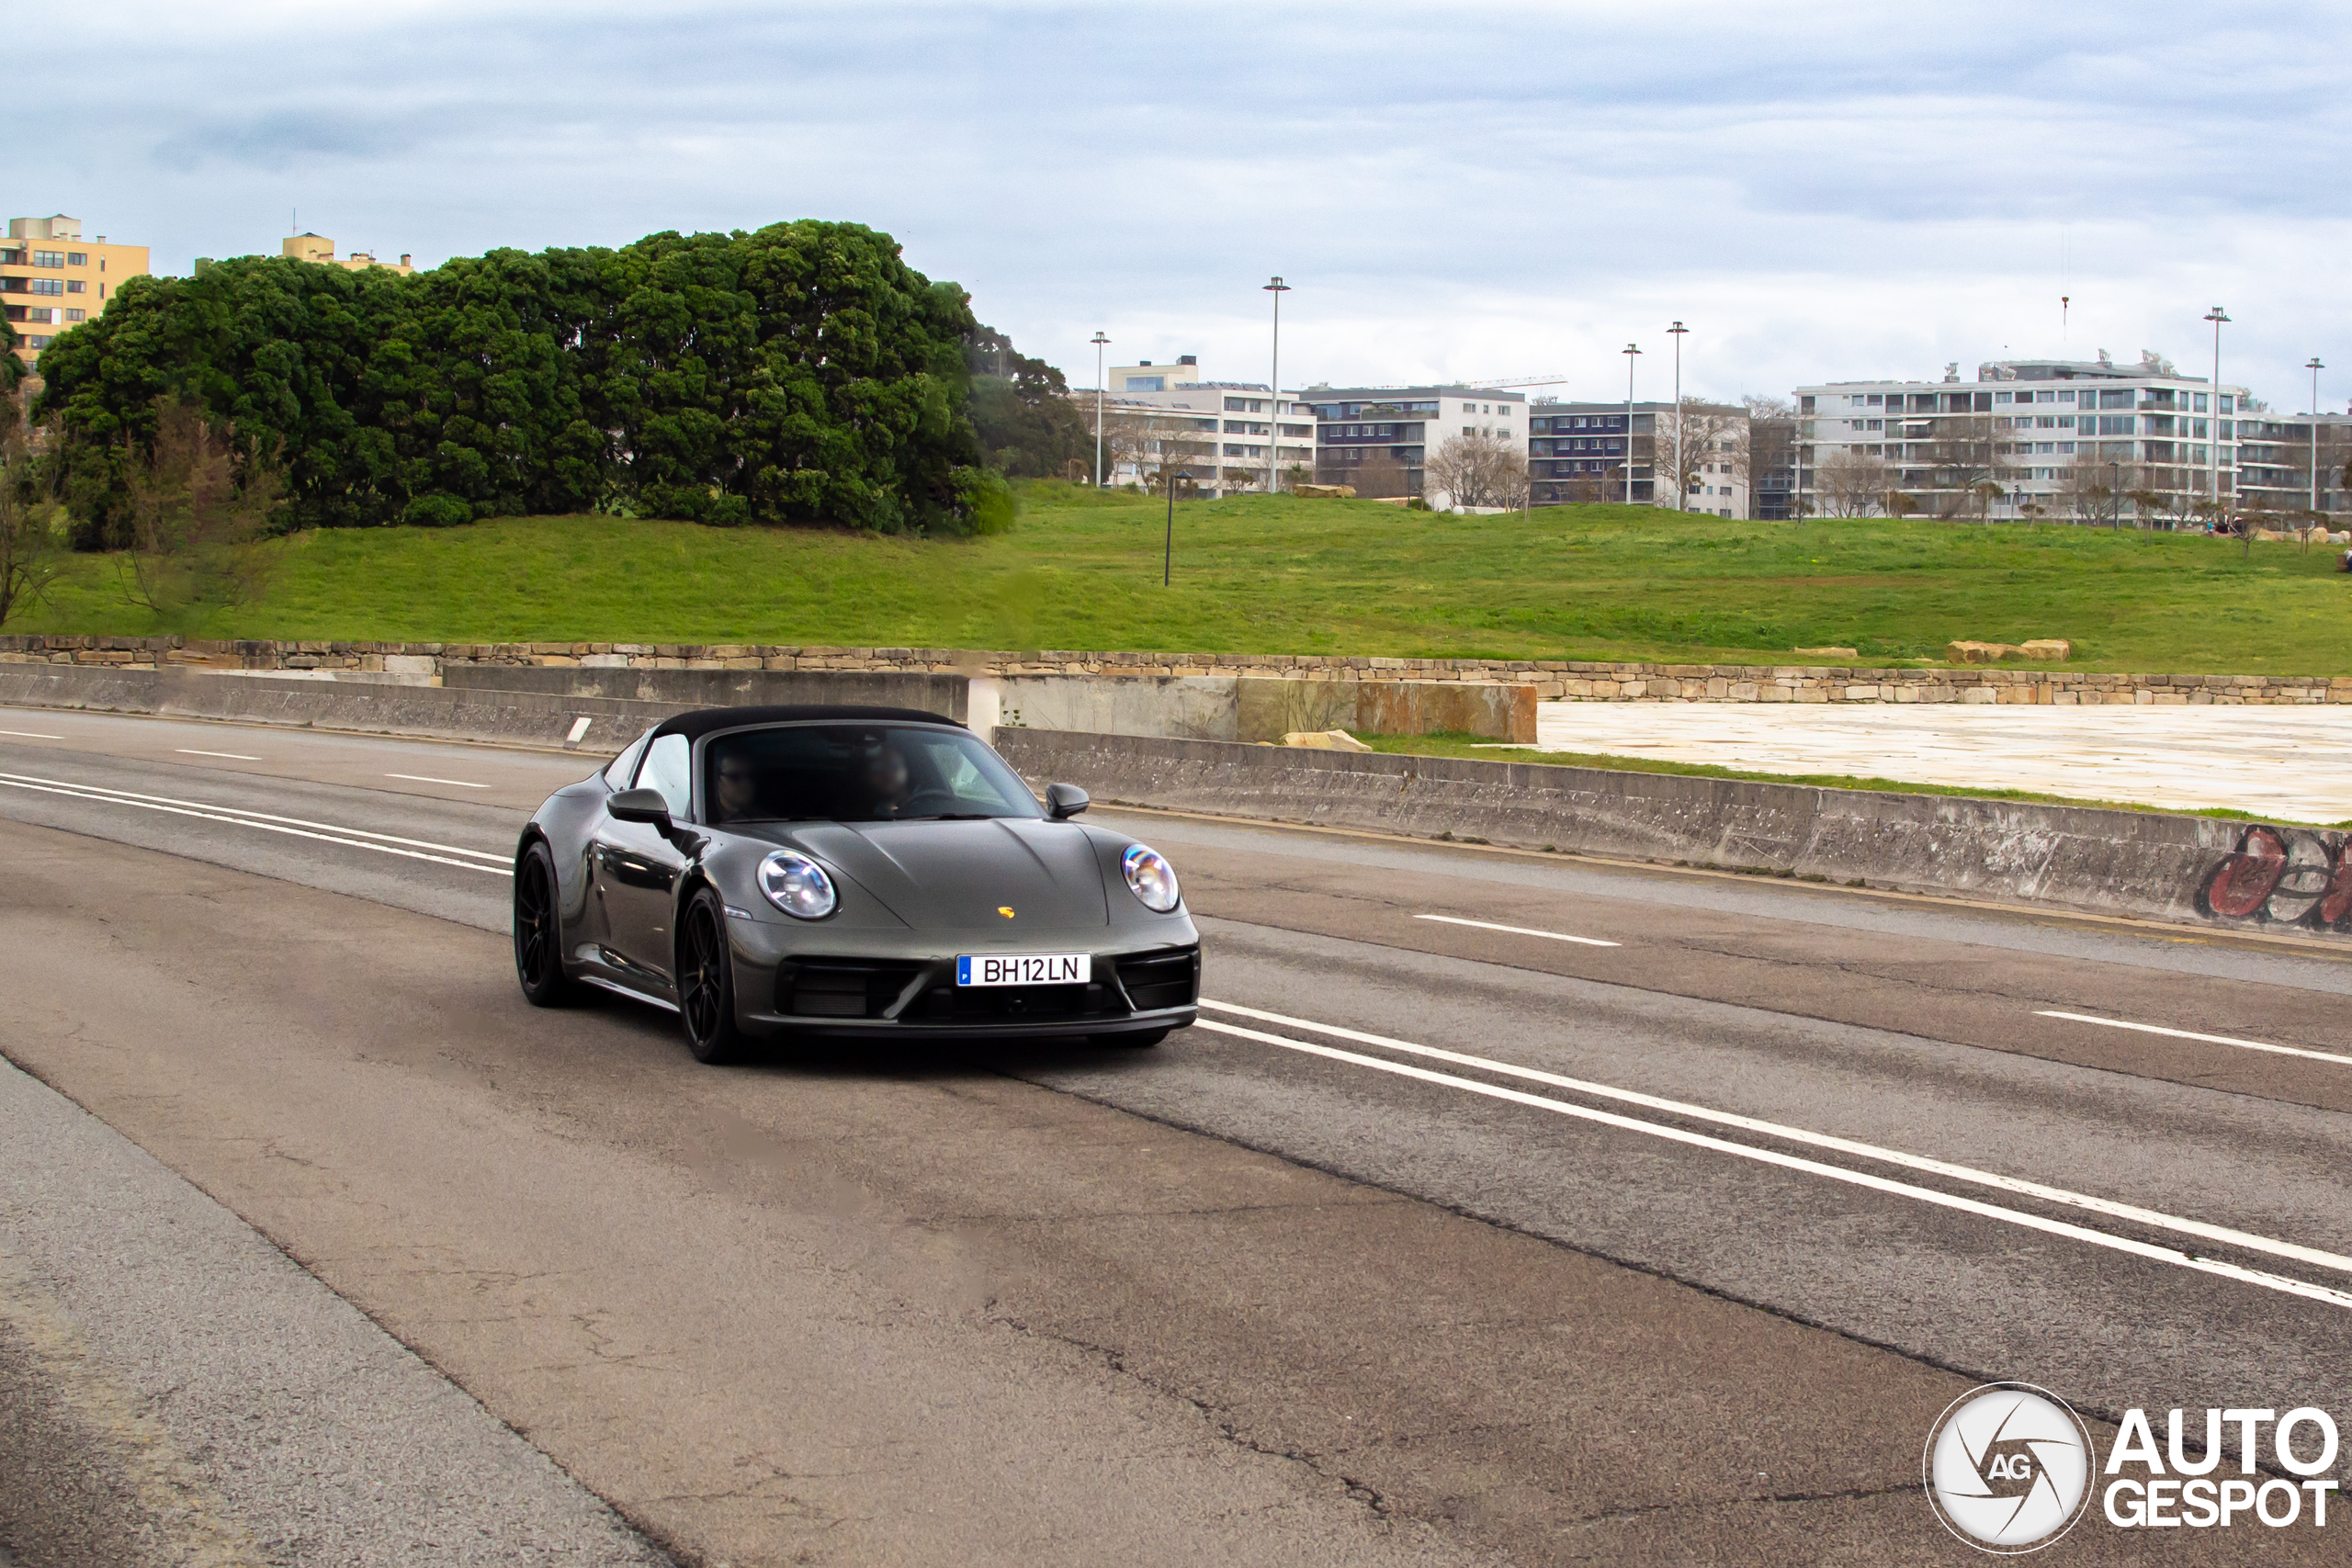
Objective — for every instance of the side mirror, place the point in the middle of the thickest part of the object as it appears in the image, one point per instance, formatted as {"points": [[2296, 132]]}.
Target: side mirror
{"points": [[1064, 801], [647, 805]]}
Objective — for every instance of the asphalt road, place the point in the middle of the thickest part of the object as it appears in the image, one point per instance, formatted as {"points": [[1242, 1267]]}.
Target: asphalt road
{"points": [[1502, 1208]]}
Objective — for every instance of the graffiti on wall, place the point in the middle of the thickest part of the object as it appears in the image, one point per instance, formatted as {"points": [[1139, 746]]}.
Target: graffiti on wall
{"points": [[2283, 876]]}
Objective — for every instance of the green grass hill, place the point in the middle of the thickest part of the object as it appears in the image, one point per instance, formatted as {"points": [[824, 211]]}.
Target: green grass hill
{"points": [[1279, 575]]}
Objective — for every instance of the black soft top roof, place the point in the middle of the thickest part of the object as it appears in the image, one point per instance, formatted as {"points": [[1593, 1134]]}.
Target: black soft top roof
{"points": [[703, 721]]}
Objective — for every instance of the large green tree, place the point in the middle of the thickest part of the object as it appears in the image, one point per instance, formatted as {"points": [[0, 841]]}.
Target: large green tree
{"points": [[1021, 411], [800, 374]]}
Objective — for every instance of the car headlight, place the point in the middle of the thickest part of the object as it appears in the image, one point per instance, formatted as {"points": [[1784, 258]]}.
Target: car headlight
{"points": [[797, 885], [1150, 878]]}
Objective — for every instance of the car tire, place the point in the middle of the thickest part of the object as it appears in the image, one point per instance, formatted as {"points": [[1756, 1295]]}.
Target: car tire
{"points": [[1140, 1040], [538, 931], [707, 982]]}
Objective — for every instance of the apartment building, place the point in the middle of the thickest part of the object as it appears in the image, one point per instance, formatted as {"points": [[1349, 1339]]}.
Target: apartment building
{"points": [[1377, 438], [1577, 453], [1218, 432], [52, 279], [318, 248], [2029, 438]]}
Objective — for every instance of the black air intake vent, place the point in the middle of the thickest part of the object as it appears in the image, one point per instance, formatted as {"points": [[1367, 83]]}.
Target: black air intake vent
{"points": [[1163, 979], [839, 987]]}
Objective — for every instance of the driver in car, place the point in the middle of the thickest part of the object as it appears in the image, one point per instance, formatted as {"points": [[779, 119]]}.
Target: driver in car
{"points": [[885, 778], [738, 789]]}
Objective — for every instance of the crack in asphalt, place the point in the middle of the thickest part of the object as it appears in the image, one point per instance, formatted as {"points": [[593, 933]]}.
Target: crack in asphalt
{"points": [[1223, 1424]]}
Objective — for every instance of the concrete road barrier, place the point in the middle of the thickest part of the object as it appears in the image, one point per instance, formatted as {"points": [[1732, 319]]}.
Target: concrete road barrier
{"points": [[2144, 864], [523, 718]]}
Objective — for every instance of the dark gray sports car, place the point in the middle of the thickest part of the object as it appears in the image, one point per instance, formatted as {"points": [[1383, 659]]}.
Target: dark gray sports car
{"points": [[870, 873]]}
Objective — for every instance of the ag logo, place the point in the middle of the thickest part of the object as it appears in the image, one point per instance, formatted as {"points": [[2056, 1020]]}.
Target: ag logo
{"points": [[2008, 1468]]}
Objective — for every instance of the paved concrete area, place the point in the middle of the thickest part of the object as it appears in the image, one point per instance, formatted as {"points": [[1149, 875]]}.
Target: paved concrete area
{"points": [[174, 1390], [1239, 1298], [2293, 763]]}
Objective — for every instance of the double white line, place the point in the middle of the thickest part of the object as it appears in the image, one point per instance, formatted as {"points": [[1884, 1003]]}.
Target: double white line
{"points": [[2107, 1208], [293, 827]]}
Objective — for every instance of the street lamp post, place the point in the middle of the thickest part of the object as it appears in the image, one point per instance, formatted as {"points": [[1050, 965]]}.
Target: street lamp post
{"points": [[1680, 466], [1274, 426], [1630, 350], [1098, 340], [2213, 478], [2314, 366]]}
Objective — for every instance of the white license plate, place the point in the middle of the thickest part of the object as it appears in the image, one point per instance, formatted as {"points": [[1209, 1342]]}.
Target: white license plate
{"points": [[1024, 969]]}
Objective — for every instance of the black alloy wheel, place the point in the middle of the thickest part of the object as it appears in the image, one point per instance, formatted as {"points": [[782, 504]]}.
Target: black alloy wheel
{"points": [[707, 982], [538, 931]]}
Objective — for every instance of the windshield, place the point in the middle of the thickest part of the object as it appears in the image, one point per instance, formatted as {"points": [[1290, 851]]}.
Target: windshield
{"points": [[858, 773]]}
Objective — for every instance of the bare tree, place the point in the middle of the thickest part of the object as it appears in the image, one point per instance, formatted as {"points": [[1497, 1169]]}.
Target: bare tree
{"points": [[1239, 479], [200, 510], [1685, 443], [29, 552], [1852, 484], [2094, 487], [1381, 475], [1477, 469], [1764, 448]]}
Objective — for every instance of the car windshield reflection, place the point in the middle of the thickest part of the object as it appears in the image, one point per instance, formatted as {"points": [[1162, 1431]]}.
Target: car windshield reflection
{"points": [[859, 773]]}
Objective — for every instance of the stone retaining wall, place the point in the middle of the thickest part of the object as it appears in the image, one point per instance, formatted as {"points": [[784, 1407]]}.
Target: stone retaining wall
{"points": [[1552, 678]]}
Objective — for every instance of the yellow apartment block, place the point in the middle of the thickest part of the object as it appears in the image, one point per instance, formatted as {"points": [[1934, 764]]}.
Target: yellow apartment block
{"points": [[51, 278], [319, 248]]}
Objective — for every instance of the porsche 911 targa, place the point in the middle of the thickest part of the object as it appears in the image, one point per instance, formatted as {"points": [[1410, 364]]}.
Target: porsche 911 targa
{"points": [[847, 872]]}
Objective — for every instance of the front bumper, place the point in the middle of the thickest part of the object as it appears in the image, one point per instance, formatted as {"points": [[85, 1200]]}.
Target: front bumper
{"points": [[1135, 988]]}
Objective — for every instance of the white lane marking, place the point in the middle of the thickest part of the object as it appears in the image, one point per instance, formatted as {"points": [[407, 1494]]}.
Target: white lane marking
{"points": [[2018, 1185], [1518, 930], [579, 728], [420, 778], [132, 796], [2279, 1282], [232, 756], [30, 735], [352, 838], [2193, 1034]]}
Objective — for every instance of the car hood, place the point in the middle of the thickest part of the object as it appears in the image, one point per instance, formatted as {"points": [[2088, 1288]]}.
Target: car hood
{"points": [[963, 875]]}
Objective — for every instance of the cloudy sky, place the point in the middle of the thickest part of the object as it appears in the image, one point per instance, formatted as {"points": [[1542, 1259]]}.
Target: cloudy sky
{"points": [[1820, 191]]}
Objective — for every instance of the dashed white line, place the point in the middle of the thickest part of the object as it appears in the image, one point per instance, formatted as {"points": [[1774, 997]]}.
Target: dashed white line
{"points": [[232, 756], [420, 778], [2193, 1034], [295, 827], [2107, 1207], [2284, 1284], [1518, 930], [30, 735]]}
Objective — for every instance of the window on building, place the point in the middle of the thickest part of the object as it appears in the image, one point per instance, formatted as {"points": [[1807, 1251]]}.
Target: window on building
{"points": [[49, 258], [2229, 404], [73, 315], [37, 342], [77, 258], [48, 285], [75, 286], [1469, 408]]}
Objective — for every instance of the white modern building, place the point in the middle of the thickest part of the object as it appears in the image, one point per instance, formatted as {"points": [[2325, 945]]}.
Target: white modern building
{"points": [[1576, 453], [1221, 430], [2027, 438], [1377, 438]]}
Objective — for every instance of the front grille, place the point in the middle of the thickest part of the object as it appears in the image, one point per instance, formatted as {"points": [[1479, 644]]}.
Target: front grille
{"points": [[1015, 1004], [1164, 979], [841, 987]]}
